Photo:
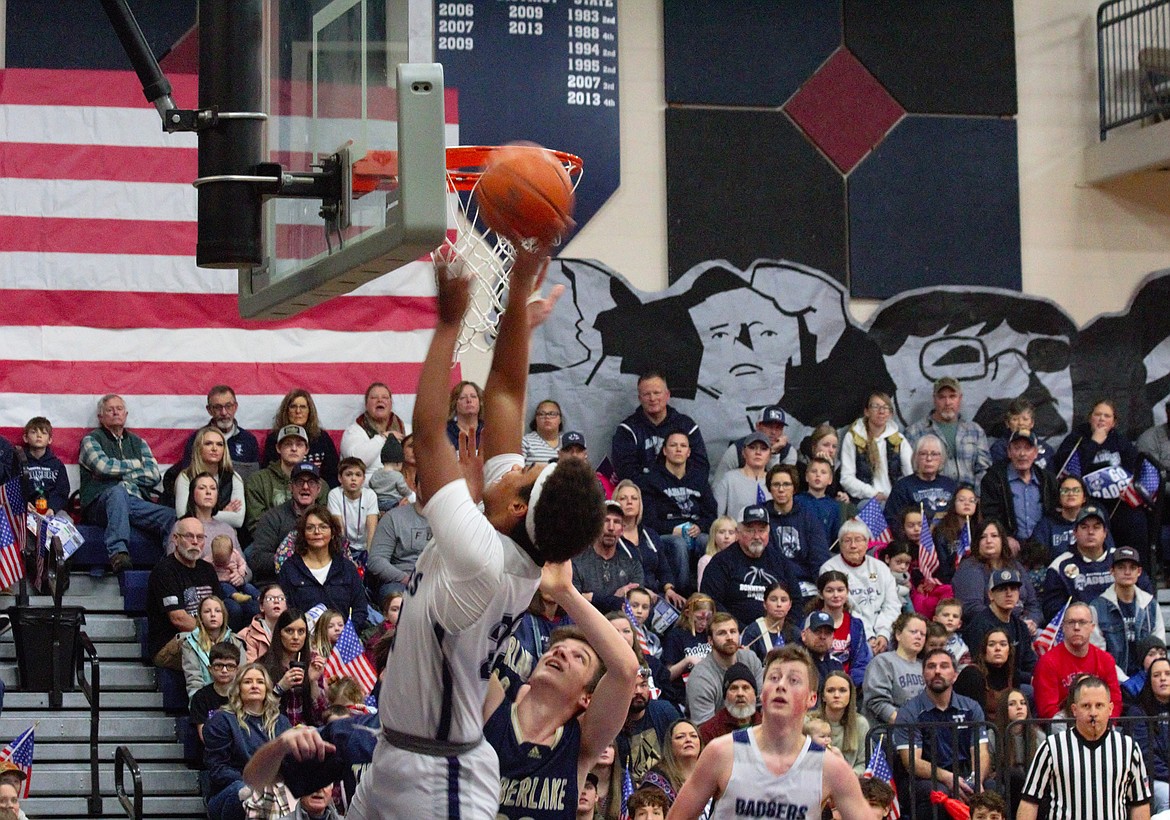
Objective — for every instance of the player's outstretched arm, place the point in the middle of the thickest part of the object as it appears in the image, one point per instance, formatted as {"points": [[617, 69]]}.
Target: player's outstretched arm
{"points": [[504, 393], [610, 703], [840, 783], [708, 780], [439, 467]]}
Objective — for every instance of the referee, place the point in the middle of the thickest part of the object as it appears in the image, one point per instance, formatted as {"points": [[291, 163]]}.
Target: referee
{"points": [[1090, 770]]}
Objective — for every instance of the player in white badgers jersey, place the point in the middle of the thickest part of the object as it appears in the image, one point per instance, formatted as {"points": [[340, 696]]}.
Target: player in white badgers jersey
{"points": [[773, 770], [476, 577]]}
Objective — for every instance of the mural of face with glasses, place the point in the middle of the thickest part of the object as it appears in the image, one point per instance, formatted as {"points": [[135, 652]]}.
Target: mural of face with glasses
{"points": [[997, 345]]}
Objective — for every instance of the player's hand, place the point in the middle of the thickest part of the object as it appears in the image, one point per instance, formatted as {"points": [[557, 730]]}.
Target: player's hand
{"points": [[556, 579], [453, 283], [471, 465], [541, 307], [305, 743]]}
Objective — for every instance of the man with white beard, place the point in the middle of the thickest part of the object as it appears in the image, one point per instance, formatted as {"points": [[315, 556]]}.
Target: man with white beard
{"points": [[739, 705]]}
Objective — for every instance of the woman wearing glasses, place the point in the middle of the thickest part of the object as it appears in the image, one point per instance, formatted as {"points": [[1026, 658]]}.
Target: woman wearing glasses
{"points": [[873, 453], [298, 407], [319, 572], [543, 439], [257, 636], [1056, 530]]}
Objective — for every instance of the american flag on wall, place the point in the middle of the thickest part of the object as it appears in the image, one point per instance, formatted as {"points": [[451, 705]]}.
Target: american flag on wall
{"points": [[102, 294]]}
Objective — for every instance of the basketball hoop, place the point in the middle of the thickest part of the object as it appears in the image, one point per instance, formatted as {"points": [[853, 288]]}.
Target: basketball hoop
{"points": [[486, 257]]}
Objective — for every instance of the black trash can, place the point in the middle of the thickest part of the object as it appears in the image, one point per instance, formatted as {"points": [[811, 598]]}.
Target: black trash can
{"points": [[46, 640]]}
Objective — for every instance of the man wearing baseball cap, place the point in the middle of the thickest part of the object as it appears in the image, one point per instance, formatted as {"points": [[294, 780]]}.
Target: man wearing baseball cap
{"points": [[1016, 491], [817, 637], [1126, 615], [1085, 571], [573, 446], [1003, 595], [968, 456], [737, 577], [772, 424], [307, 488], [269, 487]]}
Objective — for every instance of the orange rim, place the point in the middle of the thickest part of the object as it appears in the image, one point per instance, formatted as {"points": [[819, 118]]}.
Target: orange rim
{"points": [[466, 163]]}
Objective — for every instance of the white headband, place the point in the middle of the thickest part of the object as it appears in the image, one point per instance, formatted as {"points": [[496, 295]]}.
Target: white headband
{"points": [[533, 497]]}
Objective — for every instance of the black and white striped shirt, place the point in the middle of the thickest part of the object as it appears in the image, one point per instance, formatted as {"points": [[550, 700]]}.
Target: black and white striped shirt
{"points": [[1098, 779]]}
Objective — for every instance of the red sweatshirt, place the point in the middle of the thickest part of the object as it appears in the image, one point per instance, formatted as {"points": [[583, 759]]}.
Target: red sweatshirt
{"points": [[1056, 670]]}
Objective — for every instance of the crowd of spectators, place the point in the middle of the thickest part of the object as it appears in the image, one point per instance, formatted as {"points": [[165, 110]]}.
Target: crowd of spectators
{"points": [[266, 553]]}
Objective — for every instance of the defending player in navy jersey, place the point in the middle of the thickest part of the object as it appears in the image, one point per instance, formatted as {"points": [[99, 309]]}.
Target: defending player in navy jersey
{"points": [[545, 749], [474, 580], [773, 770]]}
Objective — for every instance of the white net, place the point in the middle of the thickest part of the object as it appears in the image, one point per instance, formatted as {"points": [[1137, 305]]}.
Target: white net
{"points": [[486, 258]]}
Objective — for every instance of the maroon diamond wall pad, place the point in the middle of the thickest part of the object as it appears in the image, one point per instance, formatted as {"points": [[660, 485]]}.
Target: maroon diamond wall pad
{"points": [[844, 110]]}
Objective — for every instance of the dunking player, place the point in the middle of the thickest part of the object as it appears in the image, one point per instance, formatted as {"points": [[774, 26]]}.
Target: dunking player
{"points": [[773, 770], [476, 577]]}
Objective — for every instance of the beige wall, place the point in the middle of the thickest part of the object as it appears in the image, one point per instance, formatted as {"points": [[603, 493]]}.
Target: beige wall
{"points": [[1086, 248]]}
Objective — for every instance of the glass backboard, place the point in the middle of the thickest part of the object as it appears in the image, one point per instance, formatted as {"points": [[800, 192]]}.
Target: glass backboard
{"points": [[338, 83]]}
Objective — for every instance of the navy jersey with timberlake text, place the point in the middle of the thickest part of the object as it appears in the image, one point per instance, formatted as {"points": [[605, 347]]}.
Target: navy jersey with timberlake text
{"points": [[536, 782], [755, 791]]}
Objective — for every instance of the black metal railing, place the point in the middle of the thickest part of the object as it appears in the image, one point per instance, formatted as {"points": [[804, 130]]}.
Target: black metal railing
{"points": [[1013, 750], [92, 689], [131, 804], [928, 739], [1133, 62]]}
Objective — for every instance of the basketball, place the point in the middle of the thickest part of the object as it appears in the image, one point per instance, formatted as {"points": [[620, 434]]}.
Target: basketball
{"points": [[525, 193]]}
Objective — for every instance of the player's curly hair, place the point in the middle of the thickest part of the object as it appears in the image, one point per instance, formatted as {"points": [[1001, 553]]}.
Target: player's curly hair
{"points": [[569, 512]]}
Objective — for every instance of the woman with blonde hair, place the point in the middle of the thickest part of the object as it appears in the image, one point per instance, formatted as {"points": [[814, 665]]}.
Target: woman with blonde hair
{"points": [[465, 412], [721, 536], [232, 735], [209, 454], [657, 573], [196, 645]]}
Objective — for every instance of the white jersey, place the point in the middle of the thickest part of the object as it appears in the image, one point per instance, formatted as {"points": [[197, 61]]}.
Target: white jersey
{"points": [[470, 587], [754, 791]]}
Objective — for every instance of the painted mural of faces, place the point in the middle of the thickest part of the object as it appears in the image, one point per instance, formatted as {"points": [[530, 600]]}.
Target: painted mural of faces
{"points": [[747, 344], [997, 346]]}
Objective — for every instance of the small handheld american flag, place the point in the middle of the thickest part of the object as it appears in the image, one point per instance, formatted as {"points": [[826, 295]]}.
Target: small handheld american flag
{"points": [[1073, 465], [872, 516], [12, 533], [347, 659], [964, 545], [639, 635], [20, 752], [878, 767], [927, 553], [1052, 634], [1142, 491]]}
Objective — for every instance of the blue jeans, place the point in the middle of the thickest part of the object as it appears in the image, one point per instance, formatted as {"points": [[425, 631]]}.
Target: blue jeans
{"points": [[239, 615], [225, 804], [115, 509], [683, 552]]}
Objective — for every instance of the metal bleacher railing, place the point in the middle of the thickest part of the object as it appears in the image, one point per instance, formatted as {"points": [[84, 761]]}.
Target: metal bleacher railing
{"points": [[92, 689], [1006, 775], [1133, 62], [131, 804]]}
